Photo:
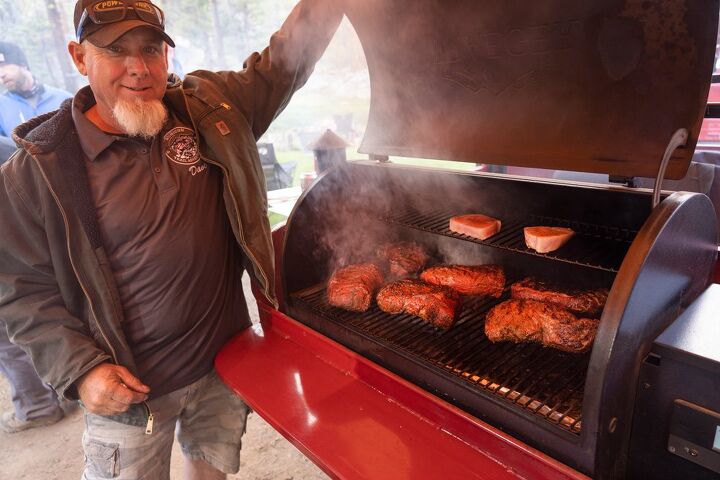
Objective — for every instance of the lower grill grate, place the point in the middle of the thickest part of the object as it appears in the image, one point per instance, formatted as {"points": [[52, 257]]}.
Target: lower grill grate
{"points": [[595, 246], [544, 381]]}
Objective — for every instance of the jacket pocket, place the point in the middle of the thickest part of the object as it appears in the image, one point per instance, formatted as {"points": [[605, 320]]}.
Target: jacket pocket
{"points": [[101, 459]]}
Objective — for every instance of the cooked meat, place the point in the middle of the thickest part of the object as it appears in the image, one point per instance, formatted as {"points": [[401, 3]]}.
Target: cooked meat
{"points": [[532, 321], [403, 258], [433, 303], [353, 287], [547, 239], [584, 302], [468, 279], [475, 225]]}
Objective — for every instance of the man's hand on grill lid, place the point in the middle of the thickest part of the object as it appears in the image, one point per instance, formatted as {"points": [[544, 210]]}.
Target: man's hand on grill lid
{"points": [[110, 389]]}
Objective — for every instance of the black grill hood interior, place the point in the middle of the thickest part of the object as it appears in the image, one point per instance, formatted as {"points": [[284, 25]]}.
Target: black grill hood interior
{"points": [[584, 85]]}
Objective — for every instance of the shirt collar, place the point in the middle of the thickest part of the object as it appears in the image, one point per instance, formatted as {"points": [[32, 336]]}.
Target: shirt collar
{"points": [[93, 141]]}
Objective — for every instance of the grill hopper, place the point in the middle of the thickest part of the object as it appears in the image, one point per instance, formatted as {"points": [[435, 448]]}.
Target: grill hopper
{"points": [[592, 86]]}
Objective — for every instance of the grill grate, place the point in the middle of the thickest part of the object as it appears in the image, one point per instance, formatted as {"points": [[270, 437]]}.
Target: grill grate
{"points": [[595, 246], [546, 382]]}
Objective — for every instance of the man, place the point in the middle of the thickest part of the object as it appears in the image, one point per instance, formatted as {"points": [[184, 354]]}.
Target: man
{"points": [[7, 148], [125, 226], [34, 405], [25, 97]]}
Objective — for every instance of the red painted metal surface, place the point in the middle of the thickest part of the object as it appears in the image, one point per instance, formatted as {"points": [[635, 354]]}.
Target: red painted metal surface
{"points": [[356, 420]]}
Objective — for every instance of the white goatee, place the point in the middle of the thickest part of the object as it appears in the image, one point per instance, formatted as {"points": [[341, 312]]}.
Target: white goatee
{"points": [[140, 118]]}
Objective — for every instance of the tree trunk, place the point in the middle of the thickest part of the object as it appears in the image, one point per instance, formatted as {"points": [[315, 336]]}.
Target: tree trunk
{"points": [[169, 7], [244, 32], [218, 35], [57, 22]]}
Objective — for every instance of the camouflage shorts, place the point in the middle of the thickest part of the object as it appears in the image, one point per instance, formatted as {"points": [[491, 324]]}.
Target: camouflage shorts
{"points": [[209, 420]]}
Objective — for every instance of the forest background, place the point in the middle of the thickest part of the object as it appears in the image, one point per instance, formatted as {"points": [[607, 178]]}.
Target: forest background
{"points": [[216, 35]]}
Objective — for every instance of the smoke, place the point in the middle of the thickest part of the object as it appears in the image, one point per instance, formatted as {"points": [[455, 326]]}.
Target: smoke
{"points": [[352, 210], [358, 209]]}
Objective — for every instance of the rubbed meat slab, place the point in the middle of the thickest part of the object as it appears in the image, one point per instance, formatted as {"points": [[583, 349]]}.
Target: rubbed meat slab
{"points": [[584, 302], [475, 225], [468, 279], [403, 258], [532, 321], [433, 303], [547, 239], [353, 287]]}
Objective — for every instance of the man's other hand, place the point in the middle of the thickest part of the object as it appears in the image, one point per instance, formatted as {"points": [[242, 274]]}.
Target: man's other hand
{"points": [[110, 389]]}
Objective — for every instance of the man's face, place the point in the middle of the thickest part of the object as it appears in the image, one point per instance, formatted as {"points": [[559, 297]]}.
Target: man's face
{"points": [[132, 68], [13, 77]]}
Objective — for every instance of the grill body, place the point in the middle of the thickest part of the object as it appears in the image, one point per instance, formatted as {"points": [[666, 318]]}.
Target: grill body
{"points": [[577, 408]]}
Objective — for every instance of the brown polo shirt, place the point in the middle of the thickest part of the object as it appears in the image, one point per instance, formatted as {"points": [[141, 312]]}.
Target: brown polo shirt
{"points": [[170, 246]]}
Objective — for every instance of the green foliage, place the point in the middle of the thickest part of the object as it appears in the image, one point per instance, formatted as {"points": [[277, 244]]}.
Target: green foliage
{"points": [[275, 218]]}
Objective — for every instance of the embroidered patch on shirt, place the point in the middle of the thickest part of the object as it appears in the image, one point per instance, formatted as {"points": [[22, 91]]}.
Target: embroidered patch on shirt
{"points": [[181, 146]]}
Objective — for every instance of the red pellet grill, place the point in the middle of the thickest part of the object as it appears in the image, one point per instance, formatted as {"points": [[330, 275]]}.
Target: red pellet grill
{"points": [[595, 86]]}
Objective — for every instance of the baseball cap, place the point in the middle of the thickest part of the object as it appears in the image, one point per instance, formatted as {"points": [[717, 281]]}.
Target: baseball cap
{"points": [[11, 53], [104, 21]]}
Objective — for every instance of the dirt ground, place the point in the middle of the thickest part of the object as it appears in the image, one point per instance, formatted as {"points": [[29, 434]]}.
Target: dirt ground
{"points": [[55, 452]]}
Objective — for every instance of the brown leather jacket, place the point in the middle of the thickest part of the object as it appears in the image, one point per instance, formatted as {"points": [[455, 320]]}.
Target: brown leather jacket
{"points": [[57, 292]]}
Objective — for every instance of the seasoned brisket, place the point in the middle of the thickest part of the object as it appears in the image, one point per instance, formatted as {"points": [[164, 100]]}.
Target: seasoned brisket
{"points": [[403, 258], [468, 279], [353, 287], [435, 304], [584, 302], [532, 321]]}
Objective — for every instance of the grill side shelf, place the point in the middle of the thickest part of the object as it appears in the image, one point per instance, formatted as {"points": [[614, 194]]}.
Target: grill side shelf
{"points": [[540, 381], [594, 246]]}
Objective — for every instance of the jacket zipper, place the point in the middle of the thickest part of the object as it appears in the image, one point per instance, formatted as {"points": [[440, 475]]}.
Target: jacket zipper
{"points": [[213, 109], [232, 194], [151, 418], [72, 262], [242, 237]]}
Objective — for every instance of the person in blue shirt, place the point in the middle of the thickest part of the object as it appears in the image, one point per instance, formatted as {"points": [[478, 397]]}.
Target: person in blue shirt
{"points": [[25, 97], [34, 404]]}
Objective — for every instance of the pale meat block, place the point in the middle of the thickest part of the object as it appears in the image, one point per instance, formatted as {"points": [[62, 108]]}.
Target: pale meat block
{"points": [[547, 239], [475, 225]]}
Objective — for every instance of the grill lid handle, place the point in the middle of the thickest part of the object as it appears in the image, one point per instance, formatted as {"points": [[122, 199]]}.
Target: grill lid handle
{"points": [[679, 139]]}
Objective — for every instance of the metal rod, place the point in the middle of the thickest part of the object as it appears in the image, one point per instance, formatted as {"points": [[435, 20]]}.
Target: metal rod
{"points": [[678, 139], [511, 237]]}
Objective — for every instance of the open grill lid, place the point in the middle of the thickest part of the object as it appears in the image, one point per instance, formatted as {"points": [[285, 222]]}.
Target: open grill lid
{"points": [[585, 85]]}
